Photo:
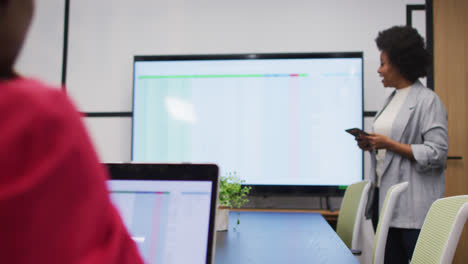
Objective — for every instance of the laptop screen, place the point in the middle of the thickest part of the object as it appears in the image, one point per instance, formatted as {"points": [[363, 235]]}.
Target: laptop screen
{"points": [[168, 209]]}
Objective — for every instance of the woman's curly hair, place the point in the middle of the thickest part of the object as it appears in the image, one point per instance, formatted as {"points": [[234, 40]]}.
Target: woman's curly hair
{"points": [[406, 51]]}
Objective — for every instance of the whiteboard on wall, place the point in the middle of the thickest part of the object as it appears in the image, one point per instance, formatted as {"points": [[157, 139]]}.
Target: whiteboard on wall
{"points": [[104, 36]]}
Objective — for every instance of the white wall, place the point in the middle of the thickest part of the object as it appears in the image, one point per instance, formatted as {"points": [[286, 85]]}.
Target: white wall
{"points": [[105, 34], [41, 56]]}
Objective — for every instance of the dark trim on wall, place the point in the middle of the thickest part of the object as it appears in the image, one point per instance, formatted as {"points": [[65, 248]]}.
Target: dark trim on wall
{"points": [[369, 113], [65, 43], [130, 114], [409, 13], [430, 42], [429, 35], [108, 114]]}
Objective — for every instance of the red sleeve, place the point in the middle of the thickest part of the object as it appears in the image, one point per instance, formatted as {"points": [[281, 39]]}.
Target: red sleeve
{"points": [[54, 203]]}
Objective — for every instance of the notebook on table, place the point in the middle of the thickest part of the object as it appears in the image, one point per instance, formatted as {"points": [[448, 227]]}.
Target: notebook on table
{"points": [[169, 209]]}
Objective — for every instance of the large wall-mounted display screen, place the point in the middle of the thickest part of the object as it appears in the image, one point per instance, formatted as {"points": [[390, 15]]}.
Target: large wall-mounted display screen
{"points": [[274, 119]]}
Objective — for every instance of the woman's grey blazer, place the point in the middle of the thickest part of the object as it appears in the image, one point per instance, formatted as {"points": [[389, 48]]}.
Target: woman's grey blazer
{"points": [[422, 123]]}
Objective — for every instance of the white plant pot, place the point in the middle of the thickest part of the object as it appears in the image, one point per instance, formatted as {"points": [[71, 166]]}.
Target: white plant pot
{"points": [[222, 219]]}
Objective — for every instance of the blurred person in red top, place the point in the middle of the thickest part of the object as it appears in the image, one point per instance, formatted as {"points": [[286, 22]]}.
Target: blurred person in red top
{"points": [[54, 203]]}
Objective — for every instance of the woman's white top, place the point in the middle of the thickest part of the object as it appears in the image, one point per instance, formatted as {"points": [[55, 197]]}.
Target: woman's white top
{"points": [[383, 125]]}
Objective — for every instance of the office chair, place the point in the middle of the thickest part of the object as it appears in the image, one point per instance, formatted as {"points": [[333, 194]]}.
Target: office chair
{"points": [[351, 212], [441, 231], [380, 240]]}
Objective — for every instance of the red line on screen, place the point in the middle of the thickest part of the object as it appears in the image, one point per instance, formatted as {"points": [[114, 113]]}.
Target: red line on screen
{"points": [[294, 128], [156, 225]]}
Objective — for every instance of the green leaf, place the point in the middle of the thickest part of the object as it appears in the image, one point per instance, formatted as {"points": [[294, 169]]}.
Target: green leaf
{"points": [[231, 192]]}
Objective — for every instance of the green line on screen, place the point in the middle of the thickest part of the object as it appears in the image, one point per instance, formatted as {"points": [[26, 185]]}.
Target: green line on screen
{"points": [[342, 187]]}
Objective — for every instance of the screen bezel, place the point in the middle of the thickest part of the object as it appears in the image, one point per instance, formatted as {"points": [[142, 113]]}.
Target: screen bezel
{"points": [[266, 190], [175, 172]]}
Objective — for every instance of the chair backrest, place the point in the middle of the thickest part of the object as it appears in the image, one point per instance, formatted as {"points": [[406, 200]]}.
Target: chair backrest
{"points": [[380, 240], [352, 208], [441, 230]]}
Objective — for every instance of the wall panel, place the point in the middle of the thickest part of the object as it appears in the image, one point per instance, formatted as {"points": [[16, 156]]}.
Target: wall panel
{"points": [[41, 56], [111, 136], [451, 84]]}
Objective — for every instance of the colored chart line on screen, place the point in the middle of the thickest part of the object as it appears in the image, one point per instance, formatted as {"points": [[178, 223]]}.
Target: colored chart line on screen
{"points": [[223, 76], [140, 192]]}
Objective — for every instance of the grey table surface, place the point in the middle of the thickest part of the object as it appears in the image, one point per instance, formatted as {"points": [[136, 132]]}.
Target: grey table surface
{"points": [[271, 237]]}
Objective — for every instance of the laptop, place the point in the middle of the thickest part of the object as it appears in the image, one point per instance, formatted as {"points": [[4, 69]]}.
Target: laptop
{"points": [[168, 209]]}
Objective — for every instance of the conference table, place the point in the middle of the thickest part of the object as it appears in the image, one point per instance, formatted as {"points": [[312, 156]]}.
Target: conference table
{"points": [[278, 237]]}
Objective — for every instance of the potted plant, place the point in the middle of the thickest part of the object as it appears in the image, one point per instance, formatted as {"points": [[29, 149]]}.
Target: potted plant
{"points": [[231, 195]]}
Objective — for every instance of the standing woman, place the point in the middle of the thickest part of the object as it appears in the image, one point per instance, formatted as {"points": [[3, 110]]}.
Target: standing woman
{"points": [[410, 139], [54, 204]]}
